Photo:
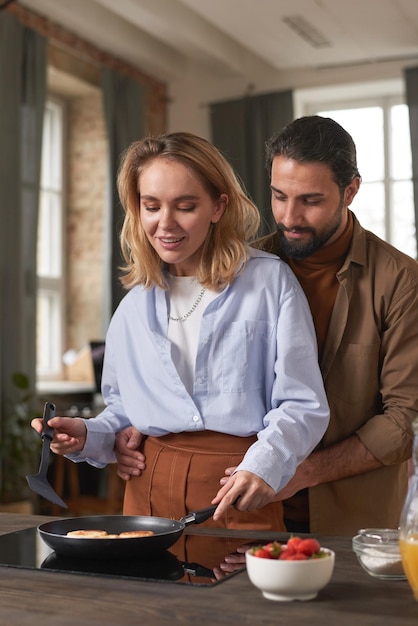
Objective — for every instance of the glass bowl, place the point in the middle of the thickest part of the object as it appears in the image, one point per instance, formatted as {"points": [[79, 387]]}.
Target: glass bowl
{"points": [[377, 550]]}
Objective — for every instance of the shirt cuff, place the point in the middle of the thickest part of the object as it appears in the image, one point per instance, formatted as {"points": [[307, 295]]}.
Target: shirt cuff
{"points": [[99, 447]]}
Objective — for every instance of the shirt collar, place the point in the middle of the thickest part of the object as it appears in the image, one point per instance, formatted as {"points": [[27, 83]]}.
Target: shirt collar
{"points": [[357, 251]]}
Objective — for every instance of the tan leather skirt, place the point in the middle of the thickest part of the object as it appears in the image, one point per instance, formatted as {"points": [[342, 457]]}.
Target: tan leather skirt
{"points": [[182, 474]]}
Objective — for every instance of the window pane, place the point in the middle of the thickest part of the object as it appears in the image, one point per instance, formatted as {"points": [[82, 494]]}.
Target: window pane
{"points": [[365, 125], [48, 335], [402, 218], [50, 246], [49, 235], [51, 167], [369, 207], [400, 153]]}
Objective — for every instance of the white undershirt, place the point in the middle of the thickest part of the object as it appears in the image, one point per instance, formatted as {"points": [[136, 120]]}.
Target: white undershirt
{"points": [[184, 335]]}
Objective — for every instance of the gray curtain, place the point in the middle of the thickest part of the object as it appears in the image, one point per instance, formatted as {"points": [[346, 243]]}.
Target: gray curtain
{"points": [[240, 129], [23, 62], [411, 82], [124, 113]]}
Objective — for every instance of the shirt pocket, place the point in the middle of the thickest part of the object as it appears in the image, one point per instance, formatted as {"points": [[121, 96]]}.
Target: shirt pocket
{"points": [[245, 349], [354, 378]]}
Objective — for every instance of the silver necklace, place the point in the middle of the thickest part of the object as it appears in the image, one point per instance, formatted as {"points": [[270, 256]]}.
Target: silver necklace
{"points": [[184, 317]]}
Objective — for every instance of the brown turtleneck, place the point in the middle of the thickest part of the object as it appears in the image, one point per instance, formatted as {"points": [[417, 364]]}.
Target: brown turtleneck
{"points": [[317, 276]]}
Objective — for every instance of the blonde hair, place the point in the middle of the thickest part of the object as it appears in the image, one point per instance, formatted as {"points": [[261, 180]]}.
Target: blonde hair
{"points": [[225, 250]]}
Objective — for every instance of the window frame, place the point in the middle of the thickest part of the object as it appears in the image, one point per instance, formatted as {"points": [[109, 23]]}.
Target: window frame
{"points": [[53, 286], [384, 94]]}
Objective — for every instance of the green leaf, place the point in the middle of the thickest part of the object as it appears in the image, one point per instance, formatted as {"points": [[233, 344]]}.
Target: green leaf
{"points": [[20, 380]]}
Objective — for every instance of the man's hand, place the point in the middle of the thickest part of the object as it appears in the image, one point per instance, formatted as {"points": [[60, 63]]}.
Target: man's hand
{"points": [[130, 461], [346, 458], [228, 472]]}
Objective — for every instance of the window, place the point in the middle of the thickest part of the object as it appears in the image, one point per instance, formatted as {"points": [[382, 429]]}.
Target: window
{"points": [[50, 246], [379, 126]]}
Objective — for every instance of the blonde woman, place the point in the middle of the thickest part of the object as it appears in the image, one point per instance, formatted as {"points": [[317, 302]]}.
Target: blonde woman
{"points": [[211, 355]]}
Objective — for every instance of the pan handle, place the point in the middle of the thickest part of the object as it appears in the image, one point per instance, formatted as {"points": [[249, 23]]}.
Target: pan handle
{"points": [[194, 569], [197, 517]]}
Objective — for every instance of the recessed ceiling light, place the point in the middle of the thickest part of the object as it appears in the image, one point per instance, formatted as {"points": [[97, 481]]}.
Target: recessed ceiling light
{"points": [[305, 30]]}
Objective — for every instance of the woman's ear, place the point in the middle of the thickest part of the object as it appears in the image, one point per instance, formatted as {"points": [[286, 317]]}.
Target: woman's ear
{"points": [[220, 206]]}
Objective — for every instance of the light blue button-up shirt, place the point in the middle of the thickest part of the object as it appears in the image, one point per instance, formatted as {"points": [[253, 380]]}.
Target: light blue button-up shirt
{"points": [[256, 372]]}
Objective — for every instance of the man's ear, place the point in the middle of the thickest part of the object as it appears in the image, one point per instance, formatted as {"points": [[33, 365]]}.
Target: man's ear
{"points": [[351, 190]]}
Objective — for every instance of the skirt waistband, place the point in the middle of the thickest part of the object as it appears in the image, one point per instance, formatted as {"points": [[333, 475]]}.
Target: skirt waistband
{"points": [[206, 442]]}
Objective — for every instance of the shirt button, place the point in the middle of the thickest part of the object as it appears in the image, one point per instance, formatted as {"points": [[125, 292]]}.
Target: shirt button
{"points": [[195, 418], [199, 381], [205, 340]]}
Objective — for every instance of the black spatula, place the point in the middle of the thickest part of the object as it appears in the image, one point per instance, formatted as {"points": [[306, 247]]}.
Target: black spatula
{"points": [[39, 482]]}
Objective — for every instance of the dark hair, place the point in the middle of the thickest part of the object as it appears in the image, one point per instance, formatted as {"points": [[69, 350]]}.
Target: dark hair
{"points": [[314, 139]]}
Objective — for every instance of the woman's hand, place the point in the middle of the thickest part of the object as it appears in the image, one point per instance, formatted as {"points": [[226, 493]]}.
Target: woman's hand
{"points": [[70, 433], [130, 461], [295, 484], [245, 491]]}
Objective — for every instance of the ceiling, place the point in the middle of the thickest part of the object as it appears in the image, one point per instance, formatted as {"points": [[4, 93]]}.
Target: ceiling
{"points": [[239, 38]]}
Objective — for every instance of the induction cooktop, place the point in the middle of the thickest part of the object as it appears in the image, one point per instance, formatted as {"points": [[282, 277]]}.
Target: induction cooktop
{"points": [[203, 560]]}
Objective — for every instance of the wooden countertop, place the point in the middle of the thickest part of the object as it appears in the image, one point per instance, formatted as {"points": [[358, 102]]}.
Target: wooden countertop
{"points": [[351, 598]]}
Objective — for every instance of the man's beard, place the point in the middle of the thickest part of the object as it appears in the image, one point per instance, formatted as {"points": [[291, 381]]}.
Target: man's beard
{"points": [[297, 249]]}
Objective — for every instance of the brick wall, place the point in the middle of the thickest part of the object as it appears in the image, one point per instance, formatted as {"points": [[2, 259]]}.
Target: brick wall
{"points": [[86, 203]]}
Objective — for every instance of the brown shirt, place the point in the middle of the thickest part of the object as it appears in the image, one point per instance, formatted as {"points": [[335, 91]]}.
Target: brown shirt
{"points": [[370, 369], [317, 275]]}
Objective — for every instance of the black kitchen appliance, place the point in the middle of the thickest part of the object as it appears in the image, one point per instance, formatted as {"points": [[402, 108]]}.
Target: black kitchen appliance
{"points": [[194, 559]]}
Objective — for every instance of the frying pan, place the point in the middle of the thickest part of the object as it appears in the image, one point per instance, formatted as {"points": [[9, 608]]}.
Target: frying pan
{"points": [[166, 532]]}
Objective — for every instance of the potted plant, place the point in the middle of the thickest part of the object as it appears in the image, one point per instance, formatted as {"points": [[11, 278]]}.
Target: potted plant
{"points": [[19, 446]]}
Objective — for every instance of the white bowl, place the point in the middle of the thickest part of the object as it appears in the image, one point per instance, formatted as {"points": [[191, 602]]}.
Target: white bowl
{"points": [[290, 580], [377, 550]]}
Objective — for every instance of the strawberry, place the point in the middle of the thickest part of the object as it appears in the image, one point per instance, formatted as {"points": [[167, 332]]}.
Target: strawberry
{"points": [[293, 542], [290, 555], [274, 549], [261, 553], [299, 556], [308, 547]]}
